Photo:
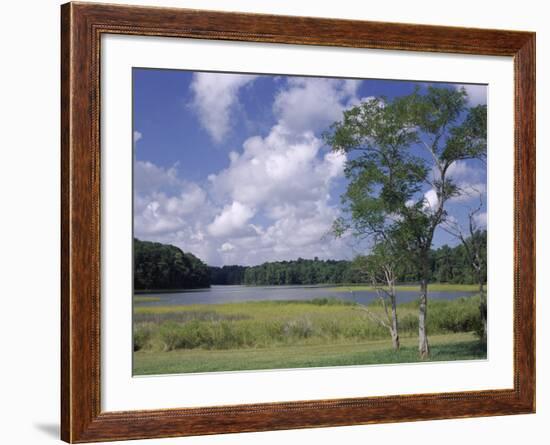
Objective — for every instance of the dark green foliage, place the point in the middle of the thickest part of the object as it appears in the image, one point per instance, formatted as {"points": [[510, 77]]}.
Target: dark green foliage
{"points": [[162, 267], [468, 140], [447, 265], [227, 274], [452, 265], [446, 316], [300, 271]]}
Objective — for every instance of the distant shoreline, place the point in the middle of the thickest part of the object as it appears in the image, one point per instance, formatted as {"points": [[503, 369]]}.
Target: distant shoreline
{"points": [[335, 287], [191, 289], [168, 291]]}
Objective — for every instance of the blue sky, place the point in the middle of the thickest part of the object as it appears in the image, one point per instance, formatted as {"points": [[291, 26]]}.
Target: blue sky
{"points": [[232, 168]]}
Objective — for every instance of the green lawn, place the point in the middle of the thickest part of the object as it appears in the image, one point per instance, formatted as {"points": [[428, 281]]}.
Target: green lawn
{"points": [[456, 346]]}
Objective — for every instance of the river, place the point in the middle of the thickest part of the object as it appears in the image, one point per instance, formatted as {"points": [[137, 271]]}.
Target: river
{"points": [[229, 294]]}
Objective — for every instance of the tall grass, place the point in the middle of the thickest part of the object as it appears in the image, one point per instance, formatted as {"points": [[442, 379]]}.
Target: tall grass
{"points": [[261, 324]]}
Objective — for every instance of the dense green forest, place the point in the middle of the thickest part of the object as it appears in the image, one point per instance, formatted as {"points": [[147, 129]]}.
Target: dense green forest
{"points": [[447, 265], [300, 271], [451, 264], [160, 266], [227, 274]]}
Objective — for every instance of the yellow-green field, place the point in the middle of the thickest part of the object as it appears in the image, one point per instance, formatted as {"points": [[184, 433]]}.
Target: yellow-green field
{"points": [[286, 334]]}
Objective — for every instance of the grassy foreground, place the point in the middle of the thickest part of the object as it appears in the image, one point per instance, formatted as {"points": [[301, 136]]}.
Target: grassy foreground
{"points": [[289, 334], [460, 346], [262, 324]]}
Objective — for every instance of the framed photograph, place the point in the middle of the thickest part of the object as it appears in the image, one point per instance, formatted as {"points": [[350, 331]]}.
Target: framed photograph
{"points": [[274, 222]]}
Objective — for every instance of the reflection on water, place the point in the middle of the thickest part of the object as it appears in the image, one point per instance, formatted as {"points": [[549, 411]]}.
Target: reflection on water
{"points": [[228, 294]]}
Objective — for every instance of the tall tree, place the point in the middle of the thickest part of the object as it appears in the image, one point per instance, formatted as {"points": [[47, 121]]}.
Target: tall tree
{"points": [[399, 155]]}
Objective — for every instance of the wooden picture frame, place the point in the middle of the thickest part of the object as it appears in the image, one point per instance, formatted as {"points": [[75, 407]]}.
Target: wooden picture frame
{"points": [[82, 25]]}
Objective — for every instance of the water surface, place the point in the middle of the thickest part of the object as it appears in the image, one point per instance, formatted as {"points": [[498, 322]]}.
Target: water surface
{"points": [[231, 294]]}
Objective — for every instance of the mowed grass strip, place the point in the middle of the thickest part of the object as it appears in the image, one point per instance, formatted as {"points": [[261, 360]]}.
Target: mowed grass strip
{"points": [[459, 346]]}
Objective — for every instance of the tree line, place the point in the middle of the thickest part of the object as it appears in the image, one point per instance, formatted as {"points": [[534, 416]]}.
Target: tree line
{"points": [[163, 267], [447, 265]]}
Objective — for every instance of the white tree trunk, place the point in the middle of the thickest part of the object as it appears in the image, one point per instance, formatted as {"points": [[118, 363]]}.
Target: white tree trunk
{"points": [[394, 325], [423, 346]]}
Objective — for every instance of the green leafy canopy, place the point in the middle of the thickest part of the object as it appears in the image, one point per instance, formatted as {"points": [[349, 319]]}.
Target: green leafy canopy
{"points": [[387, 174]]}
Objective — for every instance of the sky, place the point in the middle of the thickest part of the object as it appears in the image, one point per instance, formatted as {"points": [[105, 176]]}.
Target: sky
{"points": [[232, 167]]}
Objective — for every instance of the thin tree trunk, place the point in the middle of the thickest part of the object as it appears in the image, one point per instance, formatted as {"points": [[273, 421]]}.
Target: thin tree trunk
{"points": [[423, 346], [395, 326], [483, 310]]}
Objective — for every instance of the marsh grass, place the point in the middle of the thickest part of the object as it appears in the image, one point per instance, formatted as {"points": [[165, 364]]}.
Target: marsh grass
{"points": [[265, 324], [186, 316]]}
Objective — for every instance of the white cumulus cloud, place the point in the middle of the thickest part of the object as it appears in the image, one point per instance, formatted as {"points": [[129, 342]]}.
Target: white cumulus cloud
{"points": [[232, 220], [227, 247], [158, 212], [273, 200], [431, 201], [149, 177], [214, 98], [311, 104], [164, 203]]}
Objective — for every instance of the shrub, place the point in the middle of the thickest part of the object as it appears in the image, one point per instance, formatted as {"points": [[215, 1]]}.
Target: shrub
{"points": [[460, 315], [178, 336], [300, 328], [408, 324], [142, 335], [331, 329], [208, 335], [368, 330]]}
